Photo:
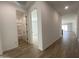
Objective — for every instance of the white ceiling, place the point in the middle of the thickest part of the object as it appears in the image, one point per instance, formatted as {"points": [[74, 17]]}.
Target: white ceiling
{"points": [[22, 2], [59, 6], [25, 4]]}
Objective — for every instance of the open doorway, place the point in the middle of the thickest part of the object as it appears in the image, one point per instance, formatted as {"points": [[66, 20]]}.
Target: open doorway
{"points": [[69, 24], [34, 25], [21, 28], [67, 27]]}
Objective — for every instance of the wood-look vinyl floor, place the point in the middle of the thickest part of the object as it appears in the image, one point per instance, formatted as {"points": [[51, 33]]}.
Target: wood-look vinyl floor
{"points": [[67, 47]]}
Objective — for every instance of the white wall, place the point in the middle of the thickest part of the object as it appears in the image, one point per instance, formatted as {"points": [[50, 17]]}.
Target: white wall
{"points": [[70, 18], [0, 38], [8, 26], [78, 25], [0, 45], [48, 24]]}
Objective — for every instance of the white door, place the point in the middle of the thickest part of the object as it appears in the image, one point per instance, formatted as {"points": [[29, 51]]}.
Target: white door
{"points": [[34, 27]]}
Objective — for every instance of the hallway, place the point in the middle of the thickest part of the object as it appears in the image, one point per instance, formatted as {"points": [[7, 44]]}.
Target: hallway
{"points": [[66, 47]]}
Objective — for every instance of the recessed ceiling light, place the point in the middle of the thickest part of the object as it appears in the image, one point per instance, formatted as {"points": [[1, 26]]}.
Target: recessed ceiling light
{"points": [[66, 7]]}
